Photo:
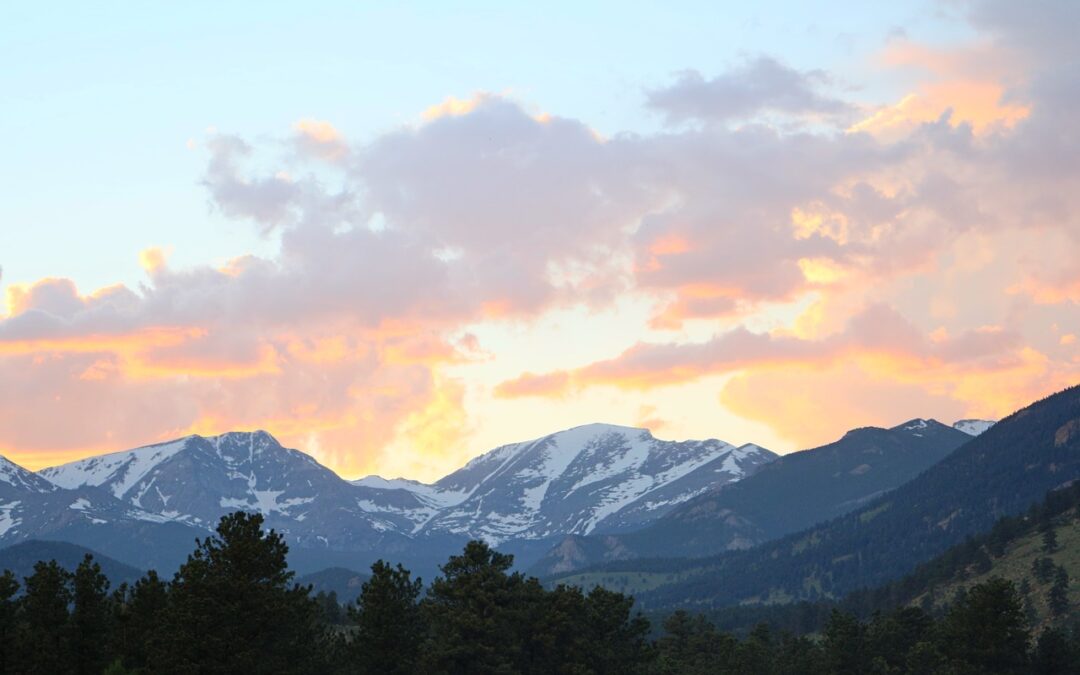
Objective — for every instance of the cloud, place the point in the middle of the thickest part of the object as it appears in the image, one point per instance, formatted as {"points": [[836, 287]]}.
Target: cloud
{"points": [[758, 86], [926, 255], [319, 139], [878, 336], [801, 406], [529, 384]]}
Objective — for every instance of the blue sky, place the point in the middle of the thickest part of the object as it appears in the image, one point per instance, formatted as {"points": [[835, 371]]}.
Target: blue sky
{"points": [[100, 99]]}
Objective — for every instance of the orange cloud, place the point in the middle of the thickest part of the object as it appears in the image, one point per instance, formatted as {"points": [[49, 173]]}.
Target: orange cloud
{"points": [[126, 344], [647, 418], [803, 406], [527, 384], [878, 339], [320, 139], [967, 83], [454, 107]]}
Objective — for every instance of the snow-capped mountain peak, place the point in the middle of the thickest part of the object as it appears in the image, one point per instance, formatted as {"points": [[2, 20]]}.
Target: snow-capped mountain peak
{"points": [[117, 471], [592, 477], [973, 427], [17, 478], [595, 477]]}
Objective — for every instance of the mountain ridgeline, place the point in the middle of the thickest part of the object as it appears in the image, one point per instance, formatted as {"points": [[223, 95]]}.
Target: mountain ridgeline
{"points": [[785, 496], [146, 506], [999, 473]]}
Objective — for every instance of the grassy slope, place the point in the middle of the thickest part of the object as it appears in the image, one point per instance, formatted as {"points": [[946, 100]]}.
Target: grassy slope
{"points": [[1015, 565]]}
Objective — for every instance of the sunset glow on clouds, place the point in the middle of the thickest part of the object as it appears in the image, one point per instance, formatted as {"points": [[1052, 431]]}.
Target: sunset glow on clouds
{"points": [[783, 257]]}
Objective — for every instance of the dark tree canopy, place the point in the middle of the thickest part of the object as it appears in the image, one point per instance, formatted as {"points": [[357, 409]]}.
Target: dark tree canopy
{"points": [[233, 608]]}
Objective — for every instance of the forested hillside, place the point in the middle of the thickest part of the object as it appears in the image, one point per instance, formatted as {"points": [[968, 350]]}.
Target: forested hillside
{"points": [[21, 557], [232, 608], [1000, 473]]}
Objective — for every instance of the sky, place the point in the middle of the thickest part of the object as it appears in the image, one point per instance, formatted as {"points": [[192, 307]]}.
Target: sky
{"points": [[397, 235]]}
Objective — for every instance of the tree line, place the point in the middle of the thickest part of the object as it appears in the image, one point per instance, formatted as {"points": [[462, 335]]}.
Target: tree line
{"points": [[233, 607]]}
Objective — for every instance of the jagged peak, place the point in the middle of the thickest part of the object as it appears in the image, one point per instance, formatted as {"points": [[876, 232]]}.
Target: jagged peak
{"points": [[747, 448], [260, 434], [16, 475]]}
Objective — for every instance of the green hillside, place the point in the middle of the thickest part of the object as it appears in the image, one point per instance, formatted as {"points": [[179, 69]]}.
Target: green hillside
{"points": [[1016, 565], [1036, 551]]}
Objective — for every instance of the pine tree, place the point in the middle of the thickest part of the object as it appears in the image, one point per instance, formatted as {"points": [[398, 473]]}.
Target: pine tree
{"points": [[843, 642], [889, 638], [1049, 540], [389, 627], [477, 614], [755, 653], [8, 609], [1054, 655], [1043, 569], [692, 645], [43, 636], [1058, 595], [616, 635], [90, 618], [140, 612], [986, 629], [231, 609]]}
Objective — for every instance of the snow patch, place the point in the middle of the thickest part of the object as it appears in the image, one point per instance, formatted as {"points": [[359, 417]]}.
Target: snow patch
{"points": [[123, 470], [7, 518], [973, 427]]}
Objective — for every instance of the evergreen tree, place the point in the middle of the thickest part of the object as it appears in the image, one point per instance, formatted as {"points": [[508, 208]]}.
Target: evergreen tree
{"points": [[1058, 595], [140, 612], [389, 628], [889, 639], [330, 611], [986, 630], [1049, 540], [477, 614], [8, 611], [799, 656], [558, 640], [231, 609], [617, 638], [1043, 569], [43, 638], [692, 645], [843, 643], [90, 618], [755, 653], [1055, 655]]}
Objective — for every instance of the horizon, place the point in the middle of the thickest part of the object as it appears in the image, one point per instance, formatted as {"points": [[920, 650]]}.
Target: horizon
{"points": [[398, 237], [736, 446]]}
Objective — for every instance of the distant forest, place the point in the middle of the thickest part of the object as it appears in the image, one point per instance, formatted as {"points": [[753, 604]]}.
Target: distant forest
{"points": [[233, 608]]}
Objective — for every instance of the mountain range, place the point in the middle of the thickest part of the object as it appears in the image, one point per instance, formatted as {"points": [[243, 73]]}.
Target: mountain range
{"points": [[1001, 472], [787, 495], [146, 506]]}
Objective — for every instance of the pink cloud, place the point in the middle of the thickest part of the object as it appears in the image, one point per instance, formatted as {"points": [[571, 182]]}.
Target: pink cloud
{"points": [[390, 251]]}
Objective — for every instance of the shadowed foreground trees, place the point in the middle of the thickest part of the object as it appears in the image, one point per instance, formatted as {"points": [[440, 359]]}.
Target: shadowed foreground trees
{"points": [[233, 608]]}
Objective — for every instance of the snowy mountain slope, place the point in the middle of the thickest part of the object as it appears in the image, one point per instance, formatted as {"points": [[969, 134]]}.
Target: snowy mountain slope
{"points": [[784, 496], [15, 479], [198, 479], [973, 427], [596, 477], [34, 508]]}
